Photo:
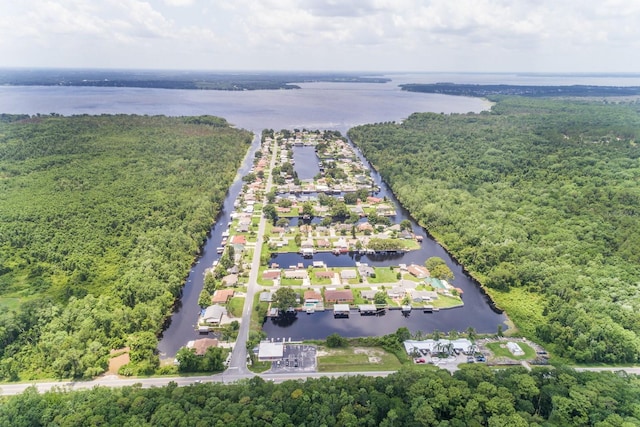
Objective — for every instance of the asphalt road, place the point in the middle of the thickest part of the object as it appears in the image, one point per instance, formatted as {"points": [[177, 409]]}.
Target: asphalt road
{"points": [[238, 362]]}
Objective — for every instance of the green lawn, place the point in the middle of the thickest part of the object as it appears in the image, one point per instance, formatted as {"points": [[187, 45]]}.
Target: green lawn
{"points": [[500, 349], [258, 312], [8, 304], [350, 360], [446, 301], [235, 306], [384, 275]]}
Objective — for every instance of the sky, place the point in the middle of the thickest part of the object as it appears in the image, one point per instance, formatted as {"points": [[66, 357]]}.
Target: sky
{"points": [[324, 35]]}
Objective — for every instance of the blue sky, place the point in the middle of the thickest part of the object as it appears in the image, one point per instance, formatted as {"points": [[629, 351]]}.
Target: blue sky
{"points": [[332, 35]]}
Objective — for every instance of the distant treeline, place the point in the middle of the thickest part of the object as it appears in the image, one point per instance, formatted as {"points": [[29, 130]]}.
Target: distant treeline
{"points": [[172, 79], [474, 396], [526, 90]]}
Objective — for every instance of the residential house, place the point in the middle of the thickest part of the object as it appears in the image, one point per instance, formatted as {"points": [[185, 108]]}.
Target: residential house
{"points": [[325, 274], [418, 271], [334, 296], [312, 296], [222, 296], [271, 274], [200, 346], [213, 314], [368, 294], [348, 274], [296, 274]]}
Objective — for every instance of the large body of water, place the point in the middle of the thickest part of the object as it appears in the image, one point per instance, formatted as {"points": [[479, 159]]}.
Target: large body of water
{"points": [[316, 106]]}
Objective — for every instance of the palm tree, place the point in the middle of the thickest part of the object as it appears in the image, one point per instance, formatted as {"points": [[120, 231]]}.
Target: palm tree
{"points": [[471, 334]]}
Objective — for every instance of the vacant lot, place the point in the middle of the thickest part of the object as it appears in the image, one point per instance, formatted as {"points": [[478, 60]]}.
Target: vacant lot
{"points": [[356, 359]]}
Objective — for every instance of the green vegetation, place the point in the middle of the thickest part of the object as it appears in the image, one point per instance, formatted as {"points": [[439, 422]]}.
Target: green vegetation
{"points": [[357, 360], [499, 349], [537, 197], [415, 396], [100, 220]]}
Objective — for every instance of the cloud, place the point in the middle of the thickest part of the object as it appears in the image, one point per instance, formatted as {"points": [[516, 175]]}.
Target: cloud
{"points": [[356, 34], [178, 3]]}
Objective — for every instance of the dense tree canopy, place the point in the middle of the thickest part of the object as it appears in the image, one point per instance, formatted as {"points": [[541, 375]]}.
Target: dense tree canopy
{"points": [[539, 199], [473, 396], [100, 220]]}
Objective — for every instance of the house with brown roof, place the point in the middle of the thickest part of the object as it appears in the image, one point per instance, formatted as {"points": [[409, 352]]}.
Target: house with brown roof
{"points": [[418, 271], [222, 296], [201, 345], [338, 296], [323, 243], [365, 226], [312, 296], [271, 274], [238, 240], [325, 274]]}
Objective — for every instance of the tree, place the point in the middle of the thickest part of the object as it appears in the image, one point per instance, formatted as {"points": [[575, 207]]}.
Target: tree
{"points": [[438, 268], [210, 283], [269, 212], [187, 360], [284, 298], [380, 298], [205, 298], [334, 340], [405, 224], [307, 209]]}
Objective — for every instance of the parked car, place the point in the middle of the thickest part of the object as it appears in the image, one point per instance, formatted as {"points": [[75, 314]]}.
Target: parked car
{"points": [[470, 359], [421, 360]]}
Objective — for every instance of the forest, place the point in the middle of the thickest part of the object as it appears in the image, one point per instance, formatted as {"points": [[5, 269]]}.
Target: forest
{"points": [[522, 90], [100, 220], [539, 199], [475, 395], [165, 79]]}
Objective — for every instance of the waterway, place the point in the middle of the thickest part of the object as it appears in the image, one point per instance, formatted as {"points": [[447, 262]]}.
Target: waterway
{"points": [[306, 162]]}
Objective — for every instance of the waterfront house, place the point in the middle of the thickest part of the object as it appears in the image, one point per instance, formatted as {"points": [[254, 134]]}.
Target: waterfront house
{"points": [[312, 296], [423, 296], [325, 274], [266, 296], [296, 274], [271, 274], [348, 274], [365, 270], [333, 296], [396, 292], [368, 294], [222, 296], [200, 346], [418, 271], [230, 280], [213, 314]]}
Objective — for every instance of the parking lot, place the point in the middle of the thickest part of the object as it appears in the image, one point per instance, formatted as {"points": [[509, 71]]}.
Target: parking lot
{"points": [[296, 358]]}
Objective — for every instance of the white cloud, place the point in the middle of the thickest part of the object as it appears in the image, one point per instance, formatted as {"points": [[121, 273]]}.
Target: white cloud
{"points": [[178, 3], [349, 34]]}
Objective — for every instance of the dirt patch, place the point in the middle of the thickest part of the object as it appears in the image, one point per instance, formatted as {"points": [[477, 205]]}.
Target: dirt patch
{"points": [[367, 351], [120, 357]]}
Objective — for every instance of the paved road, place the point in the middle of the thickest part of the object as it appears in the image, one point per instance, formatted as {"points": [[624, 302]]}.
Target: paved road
{"points": [[238, 362]]}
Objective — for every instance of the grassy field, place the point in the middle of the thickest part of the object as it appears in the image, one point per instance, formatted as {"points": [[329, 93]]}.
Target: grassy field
{"points": [[235, 306], [354, 359], [384, 275], [446, 301], [500, 349], [8, 304]]}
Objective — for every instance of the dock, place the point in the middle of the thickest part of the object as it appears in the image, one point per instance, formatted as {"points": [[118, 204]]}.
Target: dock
{"points": [[340, 310]]}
